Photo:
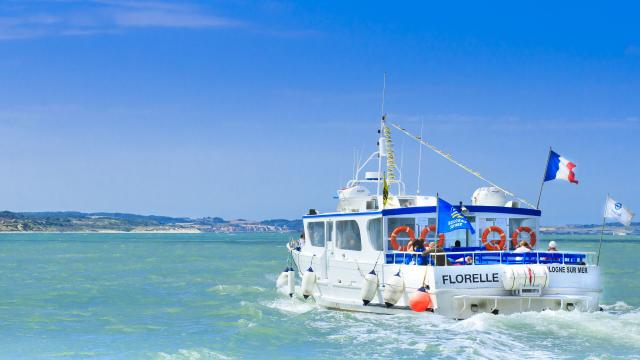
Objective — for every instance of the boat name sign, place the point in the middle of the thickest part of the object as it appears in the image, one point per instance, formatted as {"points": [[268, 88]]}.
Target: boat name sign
{"points": [[568, 269], [464, 277]]}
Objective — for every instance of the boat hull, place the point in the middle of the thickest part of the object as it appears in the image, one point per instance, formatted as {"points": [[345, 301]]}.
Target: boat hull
{"points": [[458, 292]]}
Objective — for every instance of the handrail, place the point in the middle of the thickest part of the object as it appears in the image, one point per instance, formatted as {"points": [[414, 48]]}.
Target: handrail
{"points": [[490, 258]]}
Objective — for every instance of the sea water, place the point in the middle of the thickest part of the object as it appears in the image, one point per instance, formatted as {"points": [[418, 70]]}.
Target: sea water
{"points": [[212, 296]]}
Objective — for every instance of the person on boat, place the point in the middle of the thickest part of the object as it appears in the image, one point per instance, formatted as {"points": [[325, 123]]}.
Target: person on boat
{"points": [[552, 246], [417, 245], [468, 260], [457, 244], [524, 247], [301, 240], [440, 258]]}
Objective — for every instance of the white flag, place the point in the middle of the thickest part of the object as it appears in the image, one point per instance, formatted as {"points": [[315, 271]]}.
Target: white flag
{"points": [[616, 211]]}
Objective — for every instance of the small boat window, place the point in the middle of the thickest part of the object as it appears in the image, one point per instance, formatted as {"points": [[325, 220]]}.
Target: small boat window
{"points": [[348, 235], [374, 228], [315, 233], [407, 202]]}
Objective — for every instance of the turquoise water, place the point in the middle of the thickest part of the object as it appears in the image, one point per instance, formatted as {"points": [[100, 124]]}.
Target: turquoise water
{"points": [[212, 296]]}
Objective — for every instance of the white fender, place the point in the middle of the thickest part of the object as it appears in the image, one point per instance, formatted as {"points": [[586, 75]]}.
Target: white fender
{"points": [[291, 282], [393, 290], [369, 287], [283, 279], [308, 283], [518, 276]]}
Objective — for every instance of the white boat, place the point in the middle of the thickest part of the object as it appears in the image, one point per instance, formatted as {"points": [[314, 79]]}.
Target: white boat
{"points": [[356, 257]]}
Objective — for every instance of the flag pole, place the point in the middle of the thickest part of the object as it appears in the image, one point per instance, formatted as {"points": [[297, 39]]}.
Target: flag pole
{"points": [[544, 174], [435, 241], [604, 218]]}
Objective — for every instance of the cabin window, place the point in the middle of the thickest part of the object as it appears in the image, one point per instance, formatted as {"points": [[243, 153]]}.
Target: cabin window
{"points": [[348, 235], [315, 233], [329, 230], [374, 228], [403, 237], [483, 224], [423, 222], [396, 222], [515, 223]]}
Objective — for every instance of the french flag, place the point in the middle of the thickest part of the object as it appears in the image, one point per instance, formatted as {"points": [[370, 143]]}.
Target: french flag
{"points": [[560, 168]]}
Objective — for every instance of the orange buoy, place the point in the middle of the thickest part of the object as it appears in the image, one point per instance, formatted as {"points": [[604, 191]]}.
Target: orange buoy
{"points": [[394, 237], [420, 300], [516, 234], [427, 229], [491, 245]]}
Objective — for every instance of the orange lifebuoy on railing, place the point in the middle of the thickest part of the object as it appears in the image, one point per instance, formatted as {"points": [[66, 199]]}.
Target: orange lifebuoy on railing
{"points": [[490, 245], [516, 234], [394, 236], [428, 229]]}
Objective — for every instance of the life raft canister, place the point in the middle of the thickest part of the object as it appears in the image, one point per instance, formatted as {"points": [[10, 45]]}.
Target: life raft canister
{"points": [[398, 230], [516, 234], [490, 245], [427, 230]]}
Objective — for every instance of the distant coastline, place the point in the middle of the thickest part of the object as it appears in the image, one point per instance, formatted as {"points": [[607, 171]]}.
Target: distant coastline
{"points": [[101, 222], [79, 222]]}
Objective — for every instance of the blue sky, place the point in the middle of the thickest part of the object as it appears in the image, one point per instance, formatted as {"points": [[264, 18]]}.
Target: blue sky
{"points": [[254, 109]]}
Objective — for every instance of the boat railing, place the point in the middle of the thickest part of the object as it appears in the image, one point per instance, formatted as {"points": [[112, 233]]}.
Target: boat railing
{"points": [[463, 258]]}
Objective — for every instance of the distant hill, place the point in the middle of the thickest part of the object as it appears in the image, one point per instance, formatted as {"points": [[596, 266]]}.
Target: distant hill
{"points": [[291, 224], [74, 221], [633, 229]]}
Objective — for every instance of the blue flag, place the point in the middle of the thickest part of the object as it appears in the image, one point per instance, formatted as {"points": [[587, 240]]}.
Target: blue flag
{"points": [[451, 219]]}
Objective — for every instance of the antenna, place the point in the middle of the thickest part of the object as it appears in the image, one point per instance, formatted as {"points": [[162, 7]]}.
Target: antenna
{"points": [[355, 160], [380, 130], [384, 91], [420, 157], [401, 164]]}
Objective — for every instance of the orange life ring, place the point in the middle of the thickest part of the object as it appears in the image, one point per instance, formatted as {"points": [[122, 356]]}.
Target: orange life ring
{"points": [[516, 234], [428, 229], [394, 236], [490, 245]]}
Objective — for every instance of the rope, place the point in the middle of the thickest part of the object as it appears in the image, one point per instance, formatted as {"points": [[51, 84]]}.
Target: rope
{"points": [[376, 263], [464, 167]]}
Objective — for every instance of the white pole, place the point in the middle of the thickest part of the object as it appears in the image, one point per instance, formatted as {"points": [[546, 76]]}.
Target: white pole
{"points": [[355, 162], [604, 218], [401, 191], [435, 257], [382, 118], [544, 174]]}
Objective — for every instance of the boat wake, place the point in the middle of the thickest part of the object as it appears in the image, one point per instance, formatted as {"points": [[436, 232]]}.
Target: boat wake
{"points": [[549, 334]]}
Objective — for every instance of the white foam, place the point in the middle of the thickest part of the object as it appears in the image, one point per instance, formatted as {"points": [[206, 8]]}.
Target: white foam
{"points": [[224, 289], [549, 334], [290, 305], [193, 354], [618, 306]]}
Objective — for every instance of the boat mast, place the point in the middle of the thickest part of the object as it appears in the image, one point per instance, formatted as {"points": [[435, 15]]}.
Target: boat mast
{"points": [[381, 141]]}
